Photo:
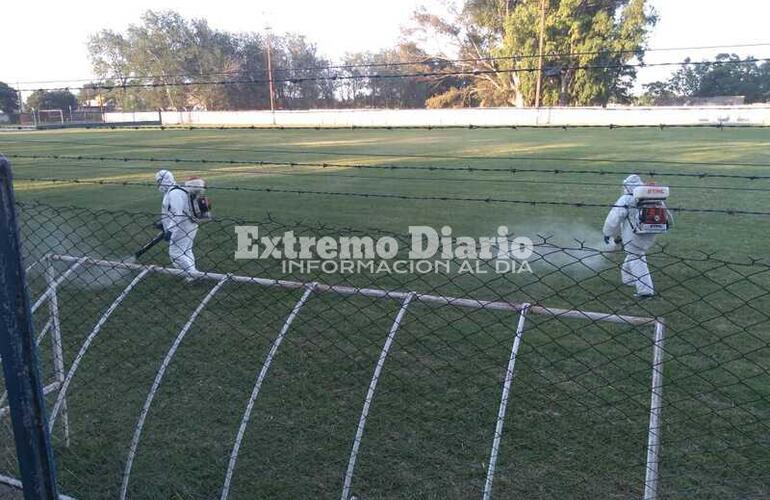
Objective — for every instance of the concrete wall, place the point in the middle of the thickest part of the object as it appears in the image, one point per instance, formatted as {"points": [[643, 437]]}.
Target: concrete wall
{"points": [[713, 115]]}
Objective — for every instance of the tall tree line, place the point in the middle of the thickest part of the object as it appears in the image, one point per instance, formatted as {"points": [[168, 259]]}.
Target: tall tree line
{"points": [[169, 62], [584, 43], [172, 63], [491, 53], [726, 75]]}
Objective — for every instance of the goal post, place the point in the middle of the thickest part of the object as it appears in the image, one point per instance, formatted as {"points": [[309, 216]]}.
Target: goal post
{"points": [[50, 117]]}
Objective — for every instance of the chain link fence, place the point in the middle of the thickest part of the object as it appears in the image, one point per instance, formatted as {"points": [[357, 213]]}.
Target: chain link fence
{"points": [[254, 380]]}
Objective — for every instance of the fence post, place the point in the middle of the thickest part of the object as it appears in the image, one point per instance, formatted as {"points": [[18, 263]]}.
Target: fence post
{"points": [[19, 354]]}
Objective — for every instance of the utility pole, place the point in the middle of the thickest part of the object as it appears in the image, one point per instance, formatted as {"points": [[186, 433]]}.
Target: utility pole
{"points": [[18, 95], [541, 46], [270, 70]]}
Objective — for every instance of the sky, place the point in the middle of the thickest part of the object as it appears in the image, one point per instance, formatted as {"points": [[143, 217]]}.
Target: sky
{"points": [[49, 40]]}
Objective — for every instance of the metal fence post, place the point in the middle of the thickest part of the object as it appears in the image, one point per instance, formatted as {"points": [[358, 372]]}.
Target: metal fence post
{"points": [[19, 354]]}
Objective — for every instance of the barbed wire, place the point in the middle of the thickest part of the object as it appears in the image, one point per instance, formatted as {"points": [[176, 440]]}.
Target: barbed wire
{"points": [[423, 61], [587, 379], [661, 126], [394, 196], [391, 167], [187, 147], [337, 173], [424, 74], [546, 238]]}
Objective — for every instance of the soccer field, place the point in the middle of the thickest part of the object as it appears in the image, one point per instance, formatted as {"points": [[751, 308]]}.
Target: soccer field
{"points": [[633, 150], [576, 424]]}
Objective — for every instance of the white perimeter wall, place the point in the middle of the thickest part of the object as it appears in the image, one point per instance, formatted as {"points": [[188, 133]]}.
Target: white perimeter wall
{"points": [[728, 115]]}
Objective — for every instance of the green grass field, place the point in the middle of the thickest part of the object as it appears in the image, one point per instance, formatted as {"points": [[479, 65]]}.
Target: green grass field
{"points": [[577, 419]]}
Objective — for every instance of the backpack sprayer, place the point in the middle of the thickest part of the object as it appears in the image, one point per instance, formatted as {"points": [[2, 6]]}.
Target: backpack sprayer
{"points": [[200, 205], [650, 215]]}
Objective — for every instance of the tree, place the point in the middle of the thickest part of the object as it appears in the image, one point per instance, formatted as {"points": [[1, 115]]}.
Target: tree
{"points": [[727, 75], [452, 98], [371, 79], [157, 51], [168, 54], [9, 99], [251, 65], [169, 62], [587, 44], [472, 32], [392, 78], [301, 74], [52, 99]]}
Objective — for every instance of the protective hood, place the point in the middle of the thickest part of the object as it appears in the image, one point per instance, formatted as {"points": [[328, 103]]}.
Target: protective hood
{"points": [[630, 182], [165, 181]]}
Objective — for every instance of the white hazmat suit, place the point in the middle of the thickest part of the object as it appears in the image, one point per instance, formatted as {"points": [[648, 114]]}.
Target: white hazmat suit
{"points": [[179, 222], [618, 226]]}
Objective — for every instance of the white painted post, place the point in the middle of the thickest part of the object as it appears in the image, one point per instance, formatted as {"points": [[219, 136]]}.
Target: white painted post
{"points": [[46, 328], [656, 410], [61, 398], [487, 305], [15, 483], [156, 384], [77, 263], [48, 389], [257, 385], [32, 266], [58, 354], [504, 404], [370, 397]]}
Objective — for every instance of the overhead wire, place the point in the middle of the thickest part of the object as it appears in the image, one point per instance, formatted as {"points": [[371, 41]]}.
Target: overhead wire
{"points": [[423, 74], [421, 61]]}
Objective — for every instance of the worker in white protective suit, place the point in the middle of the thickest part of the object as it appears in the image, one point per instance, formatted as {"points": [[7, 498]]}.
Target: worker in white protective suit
{"points": [[619, 229], [165, 180], [181, 214]]}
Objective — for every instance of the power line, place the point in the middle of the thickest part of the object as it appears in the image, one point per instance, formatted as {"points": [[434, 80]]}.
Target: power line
{"points": [[426, 74], [436, 59], [393, 196], [423, 61], [428, 168]]}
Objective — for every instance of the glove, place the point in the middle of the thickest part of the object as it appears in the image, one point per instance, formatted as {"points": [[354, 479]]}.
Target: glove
{"points": [[167, 235], [607, 240], [618, 240]]}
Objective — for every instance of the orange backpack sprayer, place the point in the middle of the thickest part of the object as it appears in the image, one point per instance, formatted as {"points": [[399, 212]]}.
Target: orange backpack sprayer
{"points": [[649, 215]]}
